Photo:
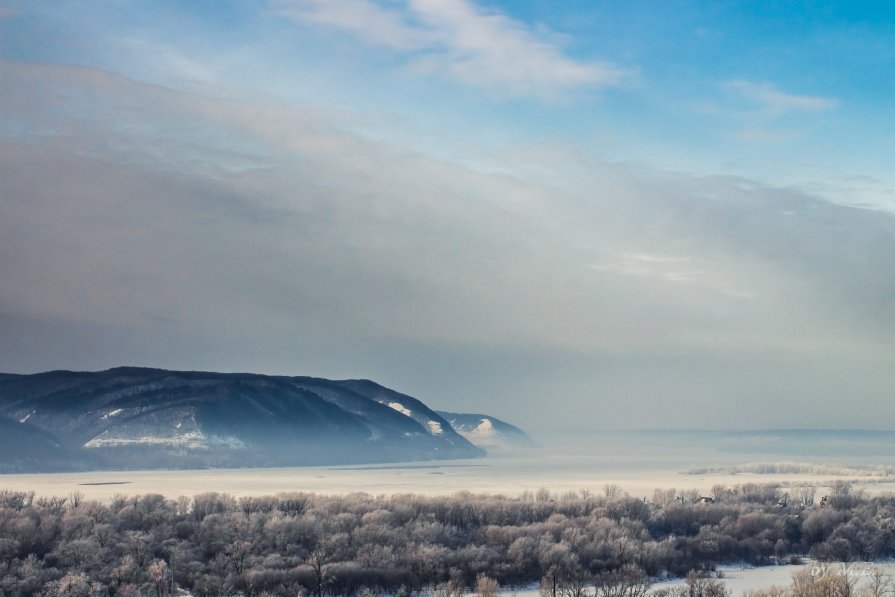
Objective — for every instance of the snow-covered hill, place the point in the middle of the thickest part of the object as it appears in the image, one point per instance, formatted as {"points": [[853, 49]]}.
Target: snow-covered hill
{"points": [[488, 432], [148, 418]]}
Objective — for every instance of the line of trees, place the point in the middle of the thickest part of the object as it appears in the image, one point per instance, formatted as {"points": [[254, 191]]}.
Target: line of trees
{"points": [[577, 544]]}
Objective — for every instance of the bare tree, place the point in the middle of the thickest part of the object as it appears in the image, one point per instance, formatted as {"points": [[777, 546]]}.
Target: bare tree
{"points": [[804, 496], [574, 583], [701, 586], [73, 585], [74, 499], [550, 583], [879, 584], [292, 504], [8, 550], [159, 577], [485, 586], [237, 554], [319, 561], [612, 491], [627, 581], [451, 588], [823, 581]]}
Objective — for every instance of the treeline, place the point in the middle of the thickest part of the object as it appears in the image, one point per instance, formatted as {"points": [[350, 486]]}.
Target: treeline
{"points": [[882, 471], [319, 546]]}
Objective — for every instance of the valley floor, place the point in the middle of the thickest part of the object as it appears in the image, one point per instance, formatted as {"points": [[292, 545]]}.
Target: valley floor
{"points": [[507, 474]]}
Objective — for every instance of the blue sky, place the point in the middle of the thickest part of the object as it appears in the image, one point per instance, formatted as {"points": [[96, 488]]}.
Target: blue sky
{"points": [[794, 93], [481, 203]]}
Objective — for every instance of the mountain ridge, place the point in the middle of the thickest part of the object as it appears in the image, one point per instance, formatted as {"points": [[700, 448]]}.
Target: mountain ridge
{"points": [[142, 417]]}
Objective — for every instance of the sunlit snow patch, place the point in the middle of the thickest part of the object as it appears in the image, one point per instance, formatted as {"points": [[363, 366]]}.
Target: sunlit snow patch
{"points": [[400, 408], [111, 413], [192, 439], [485, 428]]}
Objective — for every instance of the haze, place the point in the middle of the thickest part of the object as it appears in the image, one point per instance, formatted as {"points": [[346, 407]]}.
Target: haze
{"points": [[568, 215]]}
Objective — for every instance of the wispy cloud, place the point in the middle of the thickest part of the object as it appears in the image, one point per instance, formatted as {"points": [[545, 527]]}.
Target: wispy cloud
{"points": [[775, 101], [363, 18], [667, 268], [460, 41]]}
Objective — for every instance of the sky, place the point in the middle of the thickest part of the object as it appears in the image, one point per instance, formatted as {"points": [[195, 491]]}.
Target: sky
{"points": [[571, 215]]}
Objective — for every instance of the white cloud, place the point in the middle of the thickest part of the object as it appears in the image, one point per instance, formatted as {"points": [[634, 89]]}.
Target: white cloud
{"points": [[460, 41], [668, 268], [775, 101], [363, 18]]}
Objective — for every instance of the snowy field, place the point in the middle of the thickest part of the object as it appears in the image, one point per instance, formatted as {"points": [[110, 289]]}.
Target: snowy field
{"points": [[638, 463], [494, 476], [741, 579]]}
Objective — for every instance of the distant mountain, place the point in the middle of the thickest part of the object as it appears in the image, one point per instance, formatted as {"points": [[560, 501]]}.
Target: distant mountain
{"points": [[152, 418], [486, 431]]}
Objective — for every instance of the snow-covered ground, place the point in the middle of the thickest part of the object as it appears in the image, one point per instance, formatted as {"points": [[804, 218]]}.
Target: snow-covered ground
{"points": [[740, 579], [507, 475]]}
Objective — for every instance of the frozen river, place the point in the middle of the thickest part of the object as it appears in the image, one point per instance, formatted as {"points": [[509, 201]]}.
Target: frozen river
{"points": [[637, 462]]}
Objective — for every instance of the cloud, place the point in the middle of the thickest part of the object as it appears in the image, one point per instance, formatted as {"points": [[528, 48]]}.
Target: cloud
{"points": [[662, 267], [776, 102], [186, 230], [460, 41], [362, 18]]}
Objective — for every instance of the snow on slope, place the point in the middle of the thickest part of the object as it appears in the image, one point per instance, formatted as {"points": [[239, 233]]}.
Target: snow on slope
{"points": [[434, 427], [486, 431], [484, 434], [191, 439], [400, 408], [111, 413]]}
